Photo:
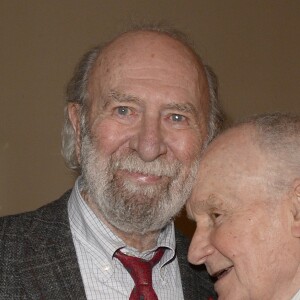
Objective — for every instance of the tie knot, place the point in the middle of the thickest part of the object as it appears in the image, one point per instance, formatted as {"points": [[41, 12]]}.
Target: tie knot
{"points": [[128, 260], [141, 273]]}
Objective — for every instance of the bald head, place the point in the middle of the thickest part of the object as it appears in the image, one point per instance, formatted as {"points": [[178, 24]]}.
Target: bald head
{"points": [[140, 50], [236, 146], [234, 160], [145, 55]]}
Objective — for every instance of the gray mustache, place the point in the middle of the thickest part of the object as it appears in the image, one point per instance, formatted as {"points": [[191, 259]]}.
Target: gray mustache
{"points": [[158, 167]]}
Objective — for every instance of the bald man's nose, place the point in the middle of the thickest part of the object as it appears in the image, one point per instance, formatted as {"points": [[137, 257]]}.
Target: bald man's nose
{"points": [[149, 141], [200, 248]]}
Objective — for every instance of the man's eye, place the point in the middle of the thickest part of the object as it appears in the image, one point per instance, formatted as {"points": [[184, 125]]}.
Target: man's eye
{"points": [[123, 110], [177, 118], [214, 216]]}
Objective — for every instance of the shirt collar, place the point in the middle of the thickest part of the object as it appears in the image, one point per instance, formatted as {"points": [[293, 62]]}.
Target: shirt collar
{"points": [[297, 296], [91, 231]]}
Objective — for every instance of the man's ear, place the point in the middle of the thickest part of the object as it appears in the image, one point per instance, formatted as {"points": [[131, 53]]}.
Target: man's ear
{"points": [[74, 116], [296, 208]]}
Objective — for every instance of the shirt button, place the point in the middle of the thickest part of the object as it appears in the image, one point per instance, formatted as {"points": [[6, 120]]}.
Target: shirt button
{"points": [[106, 268]]}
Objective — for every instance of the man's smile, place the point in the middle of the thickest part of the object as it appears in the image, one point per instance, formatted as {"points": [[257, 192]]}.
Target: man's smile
{"points": [[141, 177], [221, 273]]}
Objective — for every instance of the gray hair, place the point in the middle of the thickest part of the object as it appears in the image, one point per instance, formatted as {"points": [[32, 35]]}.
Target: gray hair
{"points": [[77, 90]]}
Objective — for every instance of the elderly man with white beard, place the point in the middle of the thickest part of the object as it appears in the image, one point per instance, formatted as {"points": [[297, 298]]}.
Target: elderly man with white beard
{"points": [[140, 108]]}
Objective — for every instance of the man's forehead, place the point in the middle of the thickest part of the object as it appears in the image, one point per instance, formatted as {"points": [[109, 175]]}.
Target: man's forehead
{"points": [[231, 177], [129, 47], [232, 193], [236, 149]]}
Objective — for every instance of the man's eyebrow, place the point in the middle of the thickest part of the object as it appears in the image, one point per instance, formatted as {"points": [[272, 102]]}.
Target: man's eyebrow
{"points": [[115, 96], [184, 107]]}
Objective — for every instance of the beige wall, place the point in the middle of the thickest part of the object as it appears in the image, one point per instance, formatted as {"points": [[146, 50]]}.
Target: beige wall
{"points": [[252, 45]]}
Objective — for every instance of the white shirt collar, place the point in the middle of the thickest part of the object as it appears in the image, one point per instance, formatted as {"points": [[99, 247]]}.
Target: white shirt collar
{"points": [[297, 296]]}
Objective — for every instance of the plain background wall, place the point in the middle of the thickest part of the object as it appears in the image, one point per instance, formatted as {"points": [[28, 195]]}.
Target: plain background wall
{"points": [[253, 46]]}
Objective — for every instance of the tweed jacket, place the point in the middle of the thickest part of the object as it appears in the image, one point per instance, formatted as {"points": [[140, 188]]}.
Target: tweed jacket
{"points": [[38, 258]]}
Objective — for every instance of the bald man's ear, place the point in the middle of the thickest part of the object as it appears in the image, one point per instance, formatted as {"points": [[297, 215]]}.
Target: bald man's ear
{"points": [[296, 208], [74, 116]]}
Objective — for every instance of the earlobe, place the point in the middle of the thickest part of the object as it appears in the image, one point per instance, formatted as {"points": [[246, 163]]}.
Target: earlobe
{"points": [[74, 117], [296, 208]]}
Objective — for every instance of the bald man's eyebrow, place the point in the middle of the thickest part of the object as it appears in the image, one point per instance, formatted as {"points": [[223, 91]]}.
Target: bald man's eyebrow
{"points": [[207, 204], [116, 96], [184, 107]]}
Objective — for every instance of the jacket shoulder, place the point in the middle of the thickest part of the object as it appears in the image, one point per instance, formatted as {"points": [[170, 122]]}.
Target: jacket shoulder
{"points": [[18, 230], [19, 224]]}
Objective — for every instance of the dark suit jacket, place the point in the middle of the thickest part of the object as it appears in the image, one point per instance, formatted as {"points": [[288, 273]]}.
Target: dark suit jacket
{"points": [[38, 258]]}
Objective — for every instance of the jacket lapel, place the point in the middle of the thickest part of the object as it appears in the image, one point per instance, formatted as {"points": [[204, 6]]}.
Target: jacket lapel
{"points": [[196, 283], [49, 268]]}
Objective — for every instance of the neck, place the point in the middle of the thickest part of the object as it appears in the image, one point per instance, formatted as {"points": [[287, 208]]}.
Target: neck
{"points": [[141, 242]]}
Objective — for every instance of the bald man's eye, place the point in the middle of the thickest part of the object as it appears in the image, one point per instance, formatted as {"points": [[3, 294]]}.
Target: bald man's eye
{"points": [[215, 216], [178, 118], [125, 114], [123, 111], [177, 121]]}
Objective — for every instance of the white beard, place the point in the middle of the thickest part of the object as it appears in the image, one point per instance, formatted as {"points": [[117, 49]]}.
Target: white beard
{"points": [[129, 206]]}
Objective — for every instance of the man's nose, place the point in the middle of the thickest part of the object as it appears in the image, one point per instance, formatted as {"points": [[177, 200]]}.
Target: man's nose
{"points": [[200, 248], [149, 140]]}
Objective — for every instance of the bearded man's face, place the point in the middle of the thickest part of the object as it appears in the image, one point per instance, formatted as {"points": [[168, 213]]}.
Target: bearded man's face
{"points": [[134, 206], [148, 114]]}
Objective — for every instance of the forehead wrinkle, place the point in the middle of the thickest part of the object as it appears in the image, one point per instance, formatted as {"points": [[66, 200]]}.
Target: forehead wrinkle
{"points": [[162, 76]]}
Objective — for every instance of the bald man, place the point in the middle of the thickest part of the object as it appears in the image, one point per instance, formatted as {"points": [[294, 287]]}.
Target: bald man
{"points": [[246, 203], [139, 110]]}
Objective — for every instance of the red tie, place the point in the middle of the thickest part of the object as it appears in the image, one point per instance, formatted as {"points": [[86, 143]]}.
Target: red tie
{"points": [[141, 273]]}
